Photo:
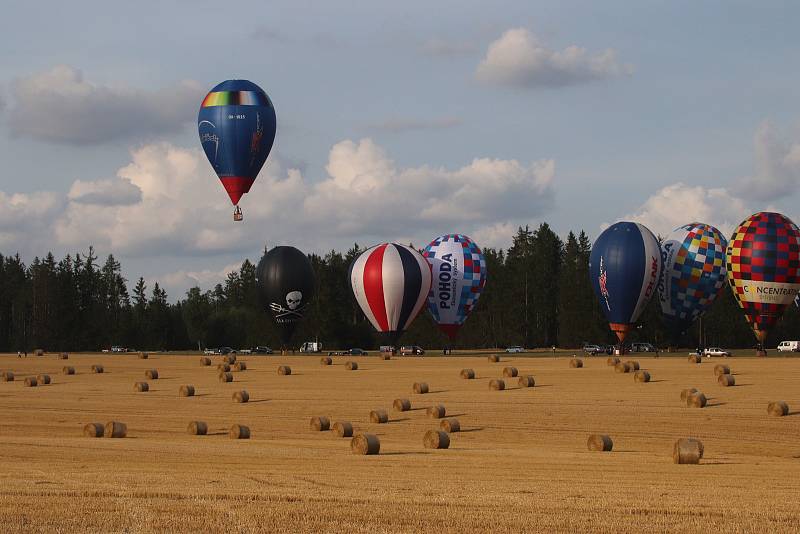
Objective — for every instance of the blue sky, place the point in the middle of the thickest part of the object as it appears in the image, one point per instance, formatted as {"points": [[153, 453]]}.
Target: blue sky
{"points": [[395, 122]]}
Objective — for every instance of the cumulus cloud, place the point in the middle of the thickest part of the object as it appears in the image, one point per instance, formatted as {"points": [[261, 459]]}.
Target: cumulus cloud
{"points": [[399, 125], [26, 220], [178, 282], [105, 192], [519, 59], [60, 106], [777, 165]]}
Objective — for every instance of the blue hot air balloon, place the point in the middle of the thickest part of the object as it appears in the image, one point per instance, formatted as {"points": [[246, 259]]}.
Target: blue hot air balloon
{"points": [[237, 126], [624, 269]]}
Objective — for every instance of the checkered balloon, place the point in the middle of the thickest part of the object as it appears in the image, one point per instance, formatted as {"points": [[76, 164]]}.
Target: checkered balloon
{"points": [[763, 262], [694, 273]]}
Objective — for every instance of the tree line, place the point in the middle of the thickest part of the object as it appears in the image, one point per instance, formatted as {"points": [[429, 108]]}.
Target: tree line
{"points": [[538, 294]]}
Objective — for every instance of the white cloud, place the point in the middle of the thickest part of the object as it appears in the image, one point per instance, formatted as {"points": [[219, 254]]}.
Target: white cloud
{"points": [[119, 192], [60, 106], [178, 282], [777, 166], [518, 59], [26, 221], [399, 125]]}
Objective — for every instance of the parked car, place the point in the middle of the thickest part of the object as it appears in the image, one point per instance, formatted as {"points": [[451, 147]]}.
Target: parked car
{"points": [[311, 346], [261, 350], [411, 350], [388, 348], [716, 351], [789, 346], [590, 348], [642, 347], [357, 352], [514, 348], [210, 352]]}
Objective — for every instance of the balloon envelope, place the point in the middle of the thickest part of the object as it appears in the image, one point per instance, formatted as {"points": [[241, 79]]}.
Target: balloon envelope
{"points": [[694, 273], [285, 282], [236, 123], [763, 262], [390, 283], [459, 275], [624, 269]]}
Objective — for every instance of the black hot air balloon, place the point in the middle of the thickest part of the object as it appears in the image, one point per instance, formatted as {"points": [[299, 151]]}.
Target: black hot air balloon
{"points": [[285, 281]]}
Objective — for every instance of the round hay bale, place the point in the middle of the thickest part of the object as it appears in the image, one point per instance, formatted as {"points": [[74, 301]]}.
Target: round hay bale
{"points": [[186, 391], [721, 369], [205, 361], [378, 416], [436, 439], [685, 393], [467, 374], [497, 384], [437, 411], [226, 377], [152, 374], [695, 358], [94, 430], [696, 400], [224, 367], [115, 429], [63, 356], [510, 372], [622, 367], [634, 365], [97, 369], [230, 359], [197, 428], [240, 366], [343, 429], [320, 423], [31, 382], [526, 381], [386, 355], [420, 387], [365, 444], [241, 396], [8, 376], [239, 432], [284, 370], [641, 376], [687, 451], [141, 387], [613, 360], [326, 360], [43, 379], [576, 363], [494, 358], [67, 370], [450, 424], [726, 380], [778, 408], [38, 352], [351, 366], [600, 442], [143, 355], [402, 405]]}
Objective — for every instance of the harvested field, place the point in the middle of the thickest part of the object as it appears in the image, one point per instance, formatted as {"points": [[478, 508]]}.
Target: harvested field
{"points": [[292, 479]]}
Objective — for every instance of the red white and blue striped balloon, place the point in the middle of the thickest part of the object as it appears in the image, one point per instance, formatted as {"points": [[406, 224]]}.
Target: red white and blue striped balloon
{"points": [[391, 284]]}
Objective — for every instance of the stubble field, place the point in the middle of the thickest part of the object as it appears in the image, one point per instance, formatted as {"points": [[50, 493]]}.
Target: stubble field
{"points": [[519, 464]]}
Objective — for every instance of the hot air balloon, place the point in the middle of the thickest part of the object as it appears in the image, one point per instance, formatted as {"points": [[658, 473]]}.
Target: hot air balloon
{"points": [[285, 281], [459, 274], [763, 262], [624, 270], [694, 273], [391, 283], [237, 125]]}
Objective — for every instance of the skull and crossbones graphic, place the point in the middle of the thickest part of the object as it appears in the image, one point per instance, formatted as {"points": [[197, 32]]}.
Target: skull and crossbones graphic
{"points": [[293, 310]]}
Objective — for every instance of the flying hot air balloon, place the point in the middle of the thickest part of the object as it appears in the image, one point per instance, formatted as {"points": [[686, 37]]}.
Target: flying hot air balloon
{"points": [[763, 262], [285, 281], [624, 269], [459, 275], [391, 283], [694, 273], [237, 126]]}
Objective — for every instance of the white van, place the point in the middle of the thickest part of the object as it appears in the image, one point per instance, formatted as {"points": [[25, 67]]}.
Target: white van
{"points": [[789, 346]]}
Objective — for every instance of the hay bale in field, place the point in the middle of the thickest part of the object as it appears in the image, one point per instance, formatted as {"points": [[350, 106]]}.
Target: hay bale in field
{"points": [[152, 374], [386, 355], [343, 429], [43, 379], [378, 416], [622, 367], [450, 424], [326, 360], [494, 358], [240, 366], [436, 439], [31, 382], [7, 376], [197, 428], [634, 365], [320, 423], [284, 370], [239, 432], [696, 400], [38, 352], [467, 374], [721, 369], [186, 391], [575, 363], [97, 369], [141, 387], [229, 359], [420, 387], [510, 372], [497, 384], [526, 381], [695, 358], [687, 451], [685, 393], [205, 361], [641, 376], [613, 360], [402, 405], [241, 396], [778, 408], [143, 355], [223, 367], [726, 380], [94, 430], [365, 444], [63, 356], [351, 366], [115, 429], [600, 442], [67, 370], [437, 411], [225, 377]]}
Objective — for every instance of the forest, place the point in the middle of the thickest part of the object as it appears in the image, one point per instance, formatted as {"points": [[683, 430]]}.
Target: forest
{"points": [[538, 294]]}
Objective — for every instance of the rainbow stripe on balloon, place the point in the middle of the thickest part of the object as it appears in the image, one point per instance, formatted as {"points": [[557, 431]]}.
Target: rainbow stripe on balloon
{"points": [[236, 98]]}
